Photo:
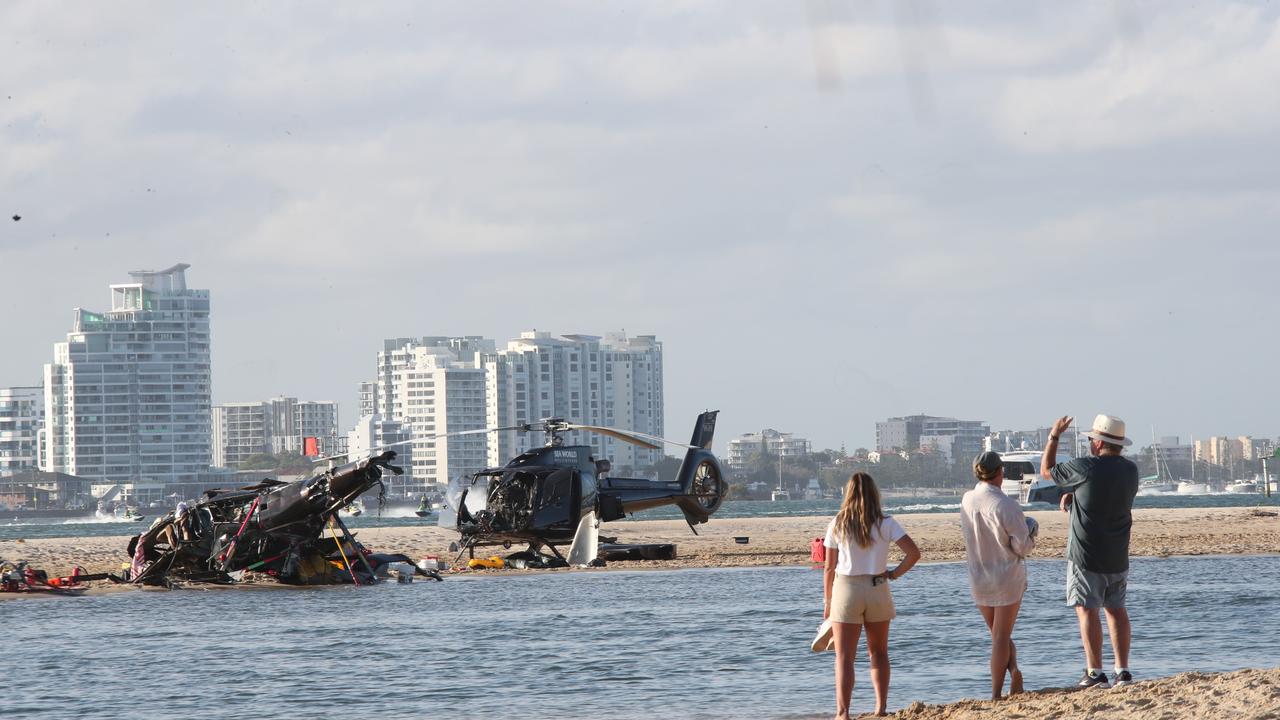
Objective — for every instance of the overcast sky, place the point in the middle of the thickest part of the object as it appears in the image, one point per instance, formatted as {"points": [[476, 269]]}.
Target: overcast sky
{"points": [[830, 213]]}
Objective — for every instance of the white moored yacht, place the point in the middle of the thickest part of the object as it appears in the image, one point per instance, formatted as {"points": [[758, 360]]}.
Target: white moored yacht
{"points": [[1022, 479]]}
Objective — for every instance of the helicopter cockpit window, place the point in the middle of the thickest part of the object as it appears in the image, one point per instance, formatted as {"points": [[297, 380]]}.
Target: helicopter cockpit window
{"points": [[557, 486], [554, 504]]}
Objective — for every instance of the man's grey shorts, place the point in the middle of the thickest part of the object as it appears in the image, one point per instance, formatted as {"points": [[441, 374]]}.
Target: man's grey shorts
{"points": [[1094, 590]]}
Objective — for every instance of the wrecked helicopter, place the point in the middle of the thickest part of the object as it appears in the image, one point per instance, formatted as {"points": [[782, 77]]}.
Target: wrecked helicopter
{"points": [[559, 494], [273, 528]]}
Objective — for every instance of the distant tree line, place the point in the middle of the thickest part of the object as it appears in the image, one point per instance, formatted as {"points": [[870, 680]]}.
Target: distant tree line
{"points": [[832, 469]]}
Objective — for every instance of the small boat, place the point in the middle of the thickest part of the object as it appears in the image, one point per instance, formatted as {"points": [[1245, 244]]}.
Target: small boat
{"points": [[1162, 481], [1153, 485], [131, 514], [1186, 487], [1241, 487]]}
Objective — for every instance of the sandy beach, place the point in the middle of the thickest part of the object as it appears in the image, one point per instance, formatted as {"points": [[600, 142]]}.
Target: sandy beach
{"points": [[770, 541], [1240, 695]]}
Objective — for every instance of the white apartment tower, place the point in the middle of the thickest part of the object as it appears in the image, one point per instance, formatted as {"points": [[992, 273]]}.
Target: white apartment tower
{"points": [[431, 385], [21, 419], [127, 396], [438, 385], [613, 381], [239, 432]]}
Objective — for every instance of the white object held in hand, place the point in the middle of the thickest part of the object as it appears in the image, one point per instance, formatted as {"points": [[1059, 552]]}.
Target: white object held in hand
{"points": [[825, 639]]}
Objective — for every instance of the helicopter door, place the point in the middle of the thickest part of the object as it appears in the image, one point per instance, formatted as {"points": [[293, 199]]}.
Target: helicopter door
{"points": [[555, 503]]}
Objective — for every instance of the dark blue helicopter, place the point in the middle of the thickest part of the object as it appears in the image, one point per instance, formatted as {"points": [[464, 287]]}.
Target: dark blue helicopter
{"points": [[559, 494]]}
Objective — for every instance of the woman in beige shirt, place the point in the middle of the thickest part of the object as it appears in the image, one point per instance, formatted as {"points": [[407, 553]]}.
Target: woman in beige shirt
{"points": [[997, 536]]}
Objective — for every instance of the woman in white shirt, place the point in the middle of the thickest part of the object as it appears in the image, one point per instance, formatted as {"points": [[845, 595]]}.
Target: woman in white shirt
{"points": [[856, 585], [997, 536]]}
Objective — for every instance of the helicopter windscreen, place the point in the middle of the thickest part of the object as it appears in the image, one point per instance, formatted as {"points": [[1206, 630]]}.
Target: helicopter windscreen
{"points": [[471, 493]]}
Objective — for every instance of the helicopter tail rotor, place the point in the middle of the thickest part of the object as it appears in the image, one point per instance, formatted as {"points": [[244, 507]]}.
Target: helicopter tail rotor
{"points": [[701, 478]]}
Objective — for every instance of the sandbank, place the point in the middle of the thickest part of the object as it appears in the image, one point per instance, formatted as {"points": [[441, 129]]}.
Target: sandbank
{"points": [[771, 541]]}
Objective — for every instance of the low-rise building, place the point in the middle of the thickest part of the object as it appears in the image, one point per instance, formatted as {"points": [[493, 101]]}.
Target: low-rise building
{"points": [[766, 442], [278, 425], [34, 489]]}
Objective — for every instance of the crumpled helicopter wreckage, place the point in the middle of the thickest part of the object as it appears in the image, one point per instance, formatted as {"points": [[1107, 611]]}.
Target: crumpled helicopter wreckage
{"points": [[273, 528]]}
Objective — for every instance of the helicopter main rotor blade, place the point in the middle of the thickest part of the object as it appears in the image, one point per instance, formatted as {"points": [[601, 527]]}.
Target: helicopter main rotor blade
{"points": [[524, 427], [633, 436], [479, 431], [619, 434]]}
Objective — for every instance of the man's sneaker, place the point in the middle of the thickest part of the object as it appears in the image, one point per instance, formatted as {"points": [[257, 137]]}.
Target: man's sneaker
{"points": [[1122, 678], [1090, 680]]}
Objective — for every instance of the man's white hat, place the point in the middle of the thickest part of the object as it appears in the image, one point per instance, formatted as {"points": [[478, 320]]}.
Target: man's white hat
{"points": [[1109, 429]]}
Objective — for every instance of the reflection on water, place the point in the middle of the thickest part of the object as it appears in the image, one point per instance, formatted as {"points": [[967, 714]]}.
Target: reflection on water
{"points": [[711, 644]]}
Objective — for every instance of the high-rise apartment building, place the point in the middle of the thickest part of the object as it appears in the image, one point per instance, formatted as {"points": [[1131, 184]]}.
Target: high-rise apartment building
{"points": [[240, 431], [273, 426], [317, 419], [614, 381], [127, 396], [438, 385], [433, 385], [21, 420]]}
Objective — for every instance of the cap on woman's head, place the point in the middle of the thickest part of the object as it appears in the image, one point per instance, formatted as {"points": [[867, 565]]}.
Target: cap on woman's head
{"points": [[986, 465]]}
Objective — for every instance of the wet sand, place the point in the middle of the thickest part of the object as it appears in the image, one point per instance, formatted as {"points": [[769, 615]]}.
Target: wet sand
{"points": [[1244, 694]]}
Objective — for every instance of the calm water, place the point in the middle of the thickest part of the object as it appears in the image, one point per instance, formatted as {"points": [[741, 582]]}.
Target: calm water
{"points": [[28, 529], [705, 644]]}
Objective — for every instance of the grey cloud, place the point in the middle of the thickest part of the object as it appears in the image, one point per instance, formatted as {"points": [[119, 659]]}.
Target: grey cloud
{"points": [[813, 259]]}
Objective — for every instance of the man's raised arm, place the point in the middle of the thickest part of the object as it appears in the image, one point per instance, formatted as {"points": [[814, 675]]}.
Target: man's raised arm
{"points": [[1050, 457]]}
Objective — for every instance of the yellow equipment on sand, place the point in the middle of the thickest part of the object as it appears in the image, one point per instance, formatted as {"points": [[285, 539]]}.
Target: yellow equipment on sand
{"points": [[491, 563]]}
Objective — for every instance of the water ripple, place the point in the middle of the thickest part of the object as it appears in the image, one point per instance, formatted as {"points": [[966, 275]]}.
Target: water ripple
{"points": [[709, 644]]}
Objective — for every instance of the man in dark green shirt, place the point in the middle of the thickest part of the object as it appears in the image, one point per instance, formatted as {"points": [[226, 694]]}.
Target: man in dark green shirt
{"points": [[1099, 497]]}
